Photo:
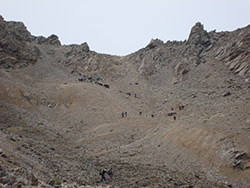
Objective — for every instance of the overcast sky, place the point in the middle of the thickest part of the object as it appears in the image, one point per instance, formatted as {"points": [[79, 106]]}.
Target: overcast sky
{"points": [[121, 27]]}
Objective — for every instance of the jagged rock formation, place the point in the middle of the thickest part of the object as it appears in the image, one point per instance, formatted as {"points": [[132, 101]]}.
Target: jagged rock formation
{"points": [[13, 48], [54, 129], [199, 47], [235, 52]]}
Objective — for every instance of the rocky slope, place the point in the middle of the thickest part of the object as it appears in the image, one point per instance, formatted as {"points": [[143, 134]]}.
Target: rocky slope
{"points": [[55, 129]]}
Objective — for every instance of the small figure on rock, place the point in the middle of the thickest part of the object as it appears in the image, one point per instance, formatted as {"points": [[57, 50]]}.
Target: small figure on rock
{"points": [[152, 115], [140, 113], [122, 114]]}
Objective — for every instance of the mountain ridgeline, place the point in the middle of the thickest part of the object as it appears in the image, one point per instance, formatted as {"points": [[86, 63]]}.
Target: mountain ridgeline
{"points": [[19, 47], [57, 129]]}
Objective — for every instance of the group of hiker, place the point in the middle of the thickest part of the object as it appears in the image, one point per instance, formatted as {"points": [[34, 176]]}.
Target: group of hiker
{"points": [[93, 79], [124, 114], [181, 107], [172, 113], [152, 115], [90, 78], [102, 173]]}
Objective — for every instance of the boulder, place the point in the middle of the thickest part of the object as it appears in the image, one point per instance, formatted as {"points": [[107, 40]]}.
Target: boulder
{"points": [[85, 47], [154, 43], [181, 69], [226, 94], [242, 155], [53, 40]]}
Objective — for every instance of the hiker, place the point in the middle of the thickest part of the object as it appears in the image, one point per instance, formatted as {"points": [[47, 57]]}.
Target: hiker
{"points": [[172, 108], [122, 114], [182, 107], [102, 173], [174, 117], [135, 95], [140, 113], [110, 173], [179, 107], [152, 115], [126, 113]]}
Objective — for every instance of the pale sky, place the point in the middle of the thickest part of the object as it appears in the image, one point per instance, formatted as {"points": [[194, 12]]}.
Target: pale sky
{"points": [[121, 27]]}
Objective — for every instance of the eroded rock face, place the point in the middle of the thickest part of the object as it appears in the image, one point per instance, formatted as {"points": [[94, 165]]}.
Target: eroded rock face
{"points": [[14, 50], [198, 36], [51, 40], [233, 48], [238, 59]]}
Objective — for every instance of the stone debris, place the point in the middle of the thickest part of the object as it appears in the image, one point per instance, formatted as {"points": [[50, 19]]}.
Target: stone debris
{"points": [[57, 131]]}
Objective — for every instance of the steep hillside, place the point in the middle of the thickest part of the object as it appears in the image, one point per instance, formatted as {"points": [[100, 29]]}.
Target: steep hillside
{"points": [[56, 128]]}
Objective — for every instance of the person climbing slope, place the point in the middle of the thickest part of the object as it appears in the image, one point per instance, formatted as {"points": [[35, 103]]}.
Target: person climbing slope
{"points": [[174, 117], [179, 107], [102, 173], [110, 173]]}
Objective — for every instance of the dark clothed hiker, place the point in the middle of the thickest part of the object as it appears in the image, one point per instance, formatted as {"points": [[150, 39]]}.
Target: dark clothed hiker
{"points": [[110, 173], [102, 173]]}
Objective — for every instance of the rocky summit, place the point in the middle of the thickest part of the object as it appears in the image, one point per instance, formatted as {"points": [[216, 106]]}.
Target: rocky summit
{"points": [[172, 114]]}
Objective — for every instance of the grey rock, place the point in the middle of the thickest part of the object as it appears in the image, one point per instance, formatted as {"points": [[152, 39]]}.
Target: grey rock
{"points": [[242, 155], [52, 182], [4, 180], [238, 164], [198, 36], [85, 47], [226, 94], [53, 40], [15, 51]]}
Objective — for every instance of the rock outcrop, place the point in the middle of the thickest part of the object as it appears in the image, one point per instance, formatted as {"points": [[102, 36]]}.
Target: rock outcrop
{"points": [[232, 48], [51, 40], [198, 36], [15, 52]]}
